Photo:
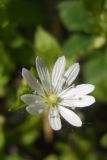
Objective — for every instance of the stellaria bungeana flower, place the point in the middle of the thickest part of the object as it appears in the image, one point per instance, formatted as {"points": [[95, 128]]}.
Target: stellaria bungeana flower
{"points": [[56, 93]]}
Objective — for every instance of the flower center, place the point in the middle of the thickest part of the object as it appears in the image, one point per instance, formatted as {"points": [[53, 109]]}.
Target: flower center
{"points": [[52, 100]]}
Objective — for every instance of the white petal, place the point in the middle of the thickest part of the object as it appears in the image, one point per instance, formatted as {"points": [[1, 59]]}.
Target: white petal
{"points": [[57, 73], [84, 89], [70, 116], [67, 103], [35, 109], [32, 81], [43, 74], [31, 99], [71, 74], [78, 91], [84, 101], [78, 101], [54, 119], [68, 93]]}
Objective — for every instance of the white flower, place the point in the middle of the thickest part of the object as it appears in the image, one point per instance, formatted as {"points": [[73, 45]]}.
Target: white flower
{"points": [[56, 93]]}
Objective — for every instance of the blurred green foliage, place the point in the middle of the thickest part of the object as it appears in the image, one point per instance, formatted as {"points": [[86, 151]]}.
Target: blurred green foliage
{"points": [[75, 28], [88, 41], [46, 46]]}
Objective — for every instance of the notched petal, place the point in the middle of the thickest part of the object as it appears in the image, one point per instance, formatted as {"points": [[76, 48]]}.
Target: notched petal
{"points": [[32, 81], [43, 74], [57, 73], [84, 89], [54, 119], [84, 101], [35, 109], [71, 74], [70, 116], [31, 99]]}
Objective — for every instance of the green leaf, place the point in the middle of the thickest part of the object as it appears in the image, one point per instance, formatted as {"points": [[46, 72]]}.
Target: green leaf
{"points": [[17, 103], [4, 79], [3, 15], [14, 157], [6, 67], [29, 137], [5, 59], [95, 68], [51, 157], [46, 46], [31, 124], [2, 120], [69, 156], [95, 72], [103, 21], [2, 139], [2, 134], [76, 18], [17, 42], [66, 150], [82, 143], [80, 45], [104, 141], [93, 156], [96, 6]]}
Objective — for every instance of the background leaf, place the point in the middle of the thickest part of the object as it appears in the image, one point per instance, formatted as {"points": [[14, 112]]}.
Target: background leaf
{"points": [[46, 46]]}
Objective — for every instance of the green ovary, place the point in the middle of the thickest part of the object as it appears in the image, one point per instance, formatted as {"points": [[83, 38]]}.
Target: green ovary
{"points": [[52, 100]]}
